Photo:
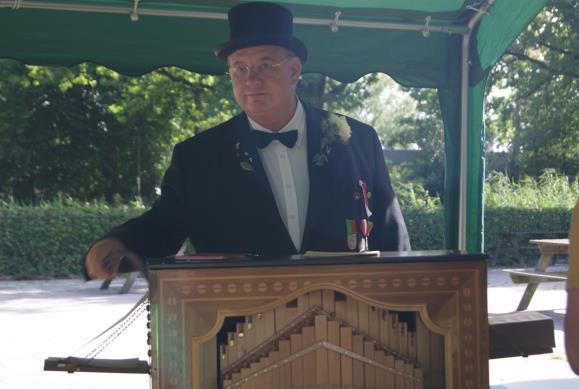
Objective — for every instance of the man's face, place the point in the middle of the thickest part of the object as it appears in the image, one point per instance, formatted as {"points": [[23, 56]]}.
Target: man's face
{"points": [[264, 81]]}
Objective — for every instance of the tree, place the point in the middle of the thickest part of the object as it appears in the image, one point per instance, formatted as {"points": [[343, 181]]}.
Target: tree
{"points": [[533, 108], [323, 92], [92, 133]]}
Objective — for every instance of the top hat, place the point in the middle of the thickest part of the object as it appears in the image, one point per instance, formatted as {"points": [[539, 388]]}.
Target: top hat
{"points": [[258, 24]]}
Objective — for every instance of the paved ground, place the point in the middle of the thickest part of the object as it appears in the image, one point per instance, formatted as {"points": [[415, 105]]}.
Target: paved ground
{"points": [[39, 319]]}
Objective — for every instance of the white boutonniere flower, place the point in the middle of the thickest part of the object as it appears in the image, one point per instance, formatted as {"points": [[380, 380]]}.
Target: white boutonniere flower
{"points": [[344, 130], [334, 128]]}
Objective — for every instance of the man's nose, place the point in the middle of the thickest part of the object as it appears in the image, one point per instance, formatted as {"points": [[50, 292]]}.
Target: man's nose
{"points": [[253, 74]]}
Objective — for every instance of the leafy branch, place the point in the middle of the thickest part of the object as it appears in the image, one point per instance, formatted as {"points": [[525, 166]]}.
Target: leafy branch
{"points": [[542, 64], [197, 87]]}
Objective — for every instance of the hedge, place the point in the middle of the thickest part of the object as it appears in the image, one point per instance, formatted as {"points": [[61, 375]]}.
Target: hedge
{"points": [[508, 230], [48, 242]]}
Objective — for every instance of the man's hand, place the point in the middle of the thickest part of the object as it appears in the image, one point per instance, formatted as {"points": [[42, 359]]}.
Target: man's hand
{"points": [[104, 258]]}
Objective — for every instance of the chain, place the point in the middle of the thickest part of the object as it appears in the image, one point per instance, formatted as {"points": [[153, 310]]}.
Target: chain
{"points": [[119, 328]]}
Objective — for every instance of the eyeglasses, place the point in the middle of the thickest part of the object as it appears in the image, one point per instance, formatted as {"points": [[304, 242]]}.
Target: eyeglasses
{"points": [[265, 69]]}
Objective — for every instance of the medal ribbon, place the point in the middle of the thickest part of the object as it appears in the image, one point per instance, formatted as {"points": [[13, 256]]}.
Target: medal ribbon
{"points": [[350, 226], [365, 197], [364, 228]]}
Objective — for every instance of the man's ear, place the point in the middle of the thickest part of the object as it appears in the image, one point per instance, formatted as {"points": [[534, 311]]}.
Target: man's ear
{"points": [[296, 69]]}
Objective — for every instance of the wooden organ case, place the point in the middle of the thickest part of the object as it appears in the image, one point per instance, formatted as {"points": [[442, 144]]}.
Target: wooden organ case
{"points": [[400, 320]]}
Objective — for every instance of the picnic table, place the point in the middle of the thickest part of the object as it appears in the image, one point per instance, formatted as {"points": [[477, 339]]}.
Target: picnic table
{"points": [[129, 281], [548, 248]]}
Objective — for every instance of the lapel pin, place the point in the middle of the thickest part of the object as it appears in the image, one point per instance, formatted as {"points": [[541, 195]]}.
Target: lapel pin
{"points": [[246, 166]]}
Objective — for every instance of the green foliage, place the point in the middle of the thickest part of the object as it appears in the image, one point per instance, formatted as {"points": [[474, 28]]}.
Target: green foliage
{"points": [[424, 129], [508, 230], [49, 240], [517, 211], [533, 107], [425, 227], [93, 133], [410, 194], [550, 190], [323, 92]]}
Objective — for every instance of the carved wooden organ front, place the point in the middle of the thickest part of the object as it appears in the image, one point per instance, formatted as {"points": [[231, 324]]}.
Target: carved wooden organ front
{"points": [[417, 321]]}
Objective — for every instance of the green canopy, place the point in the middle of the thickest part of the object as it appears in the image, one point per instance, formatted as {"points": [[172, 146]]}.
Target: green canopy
{"points": [[446, 44]]}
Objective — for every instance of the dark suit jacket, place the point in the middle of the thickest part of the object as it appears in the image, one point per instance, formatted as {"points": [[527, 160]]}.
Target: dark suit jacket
{"points": [[215, 192]]}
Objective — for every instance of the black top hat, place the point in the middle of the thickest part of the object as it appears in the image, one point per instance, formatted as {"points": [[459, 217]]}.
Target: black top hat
{"points": [[257, 24]]}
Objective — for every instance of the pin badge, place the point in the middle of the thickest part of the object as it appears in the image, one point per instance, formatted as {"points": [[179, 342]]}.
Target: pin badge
{"points": [[246, 166]]}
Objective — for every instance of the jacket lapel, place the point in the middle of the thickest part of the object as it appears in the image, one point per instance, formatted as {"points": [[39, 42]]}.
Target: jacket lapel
{"points": [[319, 175], [253, 175]]}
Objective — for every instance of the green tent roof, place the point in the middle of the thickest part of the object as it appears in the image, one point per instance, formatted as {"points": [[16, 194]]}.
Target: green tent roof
{"points": [[183, 33]]}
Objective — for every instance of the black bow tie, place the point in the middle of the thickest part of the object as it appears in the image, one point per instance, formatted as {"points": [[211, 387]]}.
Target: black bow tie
{"points": [[262, 138]]}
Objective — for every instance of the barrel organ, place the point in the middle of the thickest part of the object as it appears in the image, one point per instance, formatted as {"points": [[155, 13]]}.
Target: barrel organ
{"points": [[417, 320]]}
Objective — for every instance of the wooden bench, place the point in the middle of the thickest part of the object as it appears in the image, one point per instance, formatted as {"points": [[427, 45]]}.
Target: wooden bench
{"points": [[548, 248], [522, 276], [514, 245], [520, 334]]}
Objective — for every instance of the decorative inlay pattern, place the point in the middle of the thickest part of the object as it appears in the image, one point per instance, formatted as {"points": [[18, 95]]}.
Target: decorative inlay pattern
{"points": [[170, 330], [468, 329], [366, 283]]}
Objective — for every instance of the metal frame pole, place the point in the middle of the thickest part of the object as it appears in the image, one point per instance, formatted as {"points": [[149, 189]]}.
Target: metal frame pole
{"points": [[134, 10], [464, 79], [462, 211]]}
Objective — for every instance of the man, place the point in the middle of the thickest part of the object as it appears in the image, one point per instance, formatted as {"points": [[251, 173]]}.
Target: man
{"points": [[280, 178], [572, 316]]}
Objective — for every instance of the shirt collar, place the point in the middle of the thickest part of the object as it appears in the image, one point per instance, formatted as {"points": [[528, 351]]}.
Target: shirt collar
{"points": [[297, 122]]}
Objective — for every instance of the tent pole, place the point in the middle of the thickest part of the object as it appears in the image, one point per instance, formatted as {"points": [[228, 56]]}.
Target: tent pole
{"points": [[462, 220], [464, 79]]}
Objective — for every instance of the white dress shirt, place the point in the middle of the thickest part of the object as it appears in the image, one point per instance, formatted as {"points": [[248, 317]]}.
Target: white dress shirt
{"points": [[287, 172]]}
